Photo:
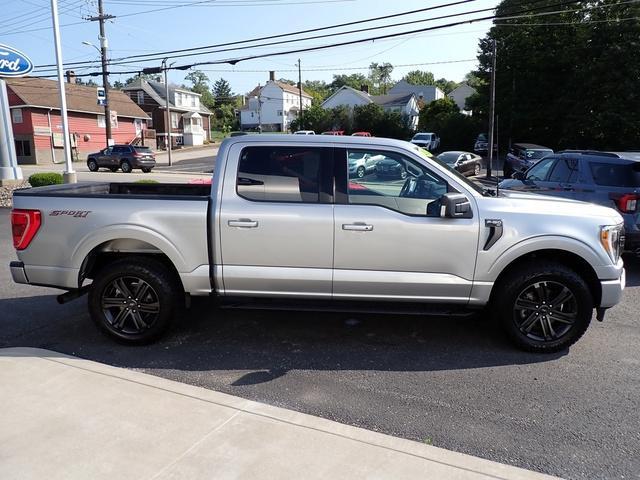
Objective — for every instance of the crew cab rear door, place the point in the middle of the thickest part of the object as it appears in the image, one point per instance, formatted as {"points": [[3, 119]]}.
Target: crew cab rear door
{"points": [[276, 221]]}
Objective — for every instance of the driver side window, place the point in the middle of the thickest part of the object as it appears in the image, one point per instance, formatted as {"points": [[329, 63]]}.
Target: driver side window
{"points": [[394, 181]]}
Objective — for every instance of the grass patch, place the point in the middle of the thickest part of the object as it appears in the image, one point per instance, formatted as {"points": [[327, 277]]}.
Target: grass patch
{"points": [[147, 181]]}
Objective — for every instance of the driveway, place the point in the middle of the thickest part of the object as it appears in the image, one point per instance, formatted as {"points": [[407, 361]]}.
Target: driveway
{"points": [[453, 383]]}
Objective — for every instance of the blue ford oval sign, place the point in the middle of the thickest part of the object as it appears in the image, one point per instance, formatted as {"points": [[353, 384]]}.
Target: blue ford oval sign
{"points": [[13, 63]]}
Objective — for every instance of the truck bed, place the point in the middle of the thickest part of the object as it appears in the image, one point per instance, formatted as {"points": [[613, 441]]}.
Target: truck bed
{"points": [[82, 220], [171, 191]]}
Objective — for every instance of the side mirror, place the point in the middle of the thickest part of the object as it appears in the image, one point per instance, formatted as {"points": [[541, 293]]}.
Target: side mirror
{"points": [[518, 176], [455, 205]]}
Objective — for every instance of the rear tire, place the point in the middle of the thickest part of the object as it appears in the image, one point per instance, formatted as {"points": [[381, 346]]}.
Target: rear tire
{"points": [[92, 165], [543, 306], [133, 300], [476, 170], [125, 166]]}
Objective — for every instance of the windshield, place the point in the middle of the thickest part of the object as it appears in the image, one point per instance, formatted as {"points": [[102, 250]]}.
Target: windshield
{"points": [[422, 136], [538, 154], [461, 178], [482, 138], [448, 157]]}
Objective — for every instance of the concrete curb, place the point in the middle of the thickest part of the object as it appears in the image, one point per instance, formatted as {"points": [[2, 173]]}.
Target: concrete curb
{"points": [[312, 437]]}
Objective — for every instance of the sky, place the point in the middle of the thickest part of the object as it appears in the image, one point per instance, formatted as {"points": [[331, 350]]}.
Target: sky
{"points": [[177, 24]]}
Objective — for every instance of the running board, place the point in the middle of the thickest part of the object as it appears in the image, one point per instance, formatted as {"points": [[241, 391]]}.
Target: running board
{"points": [[385, 308]]}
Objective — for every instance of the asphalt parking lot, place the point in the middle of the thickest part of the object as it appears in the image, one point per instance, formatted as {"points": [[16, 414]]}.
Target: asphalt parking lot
{"points": [[453, 383]]}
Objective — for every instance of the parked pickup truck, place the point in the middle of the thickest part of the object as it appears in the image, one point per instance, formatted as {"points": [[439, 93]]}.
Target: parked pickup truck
{"points": [[282, 223]]}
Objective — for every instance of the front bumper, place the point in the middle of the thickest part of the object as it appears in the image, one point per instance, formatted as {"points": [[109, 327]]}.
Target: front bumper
{"points": [[612, 290], [17, 272]]}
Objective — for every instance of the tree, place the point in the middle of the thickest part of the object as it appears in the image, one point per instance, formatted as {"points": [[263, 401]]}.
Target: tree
{"points": [[318, 89], [222, 93], [355, 80], [200, 84], [568, 85], [316, 118], [143, 76], [473, 80], [433, 115], [419, 77], [380, 76], [367, 118], [445, 85]]}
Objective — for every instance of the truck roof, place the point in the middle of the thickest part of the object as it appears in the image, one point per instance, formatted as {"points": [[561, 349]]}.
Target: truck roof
{"points": [[319, 139]]}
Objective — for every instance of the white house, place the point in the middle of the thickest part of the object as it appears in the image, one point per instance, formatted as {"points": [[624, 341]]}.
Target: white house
{"points": [[273, 107], [405, 104], [426, 93], [460, 95]]}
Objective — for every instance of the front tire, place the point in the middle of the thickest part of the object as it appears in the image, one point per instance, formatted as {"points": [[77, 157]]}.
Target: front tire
{"points": [[133, 300], [92, 165], [125, 166], [360, 172], [476, 170], [543, 306]]}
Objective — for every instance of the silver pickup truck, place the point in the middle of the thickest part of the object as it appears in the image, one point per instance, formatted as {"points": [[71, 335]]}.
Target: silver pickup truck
{"points": [[285, 223]]}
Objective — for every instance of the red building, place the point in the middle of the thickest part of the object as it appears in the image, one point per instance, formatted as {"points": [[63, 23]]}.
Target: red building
{"points": [[37, 125]]}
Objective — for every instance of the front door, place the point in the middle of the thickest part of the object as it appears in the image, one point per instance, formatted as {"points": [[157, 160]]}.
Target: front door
{"points": [[276, 221], [390, 241]]}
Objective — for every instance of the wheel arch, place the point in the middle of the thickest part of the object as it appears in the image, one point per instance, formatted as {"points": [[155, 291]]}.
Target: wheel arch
{"points": [[564, 257]]}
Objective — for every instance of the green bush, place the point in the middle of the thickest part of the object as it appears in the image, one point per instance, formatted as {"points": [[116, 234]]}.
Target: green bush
{"points": [[147, 181], [45, 178]]}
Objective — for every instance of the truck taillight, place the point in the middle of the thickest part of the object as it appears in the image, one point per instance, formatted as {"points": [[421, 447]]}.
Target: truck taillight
{"points": [[626, 203], [24, 226]]}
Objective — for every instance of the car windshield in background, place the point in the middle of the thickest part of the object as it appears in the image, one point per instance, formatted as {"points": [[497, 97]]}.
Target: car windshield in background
{"points": [[422, 137], [142, 149], [476, 186], [448, 158], [538, 154], [616, 175]]}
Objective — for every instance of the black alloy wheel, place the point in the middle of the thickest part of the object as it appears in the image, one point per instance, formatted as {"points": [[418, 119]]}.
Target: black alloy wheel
{"points": [[476, 170], [125, 166], [545, 311], [92, 165], [360, 172], [130, 305]]}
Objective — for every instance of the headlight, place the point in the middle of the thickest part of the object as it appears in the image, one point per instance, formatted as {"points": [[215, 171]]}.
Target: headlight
{"points": [[612, 239]]}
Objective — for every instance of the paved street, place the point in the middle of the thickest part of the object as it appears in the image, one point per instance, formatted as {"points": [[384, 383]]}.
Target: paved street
{"points": [[453, 383]]}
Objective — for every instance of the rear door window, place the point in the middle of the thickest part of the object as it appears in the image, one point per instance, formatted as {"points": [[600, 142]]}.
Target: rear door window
{"points": [[564, 171], [616, 174], [285, 174]]}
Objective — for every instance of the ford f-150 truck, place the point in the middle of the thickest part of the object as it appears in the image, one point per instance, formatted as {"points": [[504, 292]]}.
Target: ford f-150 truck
{"points": [[283, 222]]}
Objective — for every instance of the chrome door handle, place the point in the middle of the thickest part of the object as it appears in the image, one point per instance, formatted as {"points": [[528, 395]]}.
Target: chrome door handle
{"points": [[243, 223], [358, 227]]}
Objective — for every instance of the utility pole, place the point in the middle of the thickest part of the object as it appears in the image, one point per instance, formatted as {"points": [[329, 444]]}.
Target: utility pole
{"points": [[492, 109], [105, 75], [300, 117], [69, 175], [166, 93]]}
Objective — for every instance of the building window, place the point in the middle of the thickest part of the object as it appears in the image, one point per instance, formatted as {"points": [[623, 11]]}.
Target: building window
{"points": [[101, 122], [16, 114], [175, 120], [23, 148], [149, 122], [279, 113], [193, 101], [140, 97]]}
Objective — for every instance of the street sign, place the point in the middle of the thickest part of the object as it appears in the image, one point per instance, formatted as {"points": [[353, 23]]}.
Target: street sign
{"points": [[13, 63], [102, 102], [100, 93]]}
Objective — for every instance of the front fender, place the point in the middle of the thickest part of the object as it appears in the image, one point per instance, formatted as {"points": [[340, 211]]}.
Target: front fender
{"points": [[600, 263]]}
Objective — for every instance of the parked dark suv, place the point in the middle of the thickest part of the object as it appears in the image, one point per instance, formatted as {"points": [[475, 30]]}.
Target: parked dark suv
{"points": [[522, 156], [606, 178], [123, 157]]}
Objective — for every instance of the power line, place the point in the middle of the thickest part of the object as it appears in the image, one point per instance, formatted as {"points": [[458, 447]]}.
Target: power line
{"points": [[271, 37]]}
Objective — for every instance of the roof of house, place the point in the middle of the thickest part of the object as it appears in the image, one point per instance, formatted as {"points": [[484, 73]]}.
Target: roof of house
{"points": [[284, 86], [462, 86], [157, 91], [41, 92], [392, 100], [389, 100], [403, 87]]}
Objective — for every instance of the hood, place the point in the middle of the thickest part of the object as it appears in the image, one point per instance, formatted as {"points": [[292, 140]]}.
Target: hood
{"points": [[534, 203]]}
